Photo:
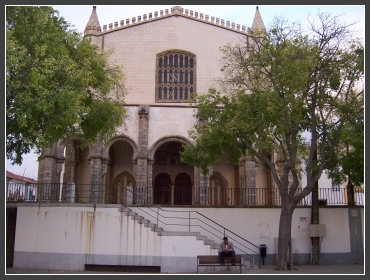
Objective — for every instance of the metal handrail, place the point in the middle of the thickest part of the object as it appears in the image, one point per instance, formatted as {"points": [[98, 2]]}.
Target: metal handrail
{"points": [[149, 204]]}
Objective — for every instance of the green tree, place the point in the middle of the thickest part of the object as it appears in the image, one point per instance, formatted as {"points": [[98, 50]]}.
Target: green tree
{"points": [[278, 85], [58, 85]]}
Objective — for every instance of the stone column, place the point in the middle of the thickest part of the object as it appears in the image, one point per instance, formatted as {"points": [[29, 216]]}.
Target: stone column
{"points": [[205, 188], [150, 181], [109, 180], [142, 158], [98, 168], [240, 180], [70, 166], [196, 188], [250, 180], [172, 193], [50, 168], [40, 173]]}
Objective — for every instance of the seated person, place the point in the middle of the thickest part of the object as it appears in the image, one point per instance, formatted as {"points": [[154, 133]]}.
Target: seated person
{"points": [[226, 250]]}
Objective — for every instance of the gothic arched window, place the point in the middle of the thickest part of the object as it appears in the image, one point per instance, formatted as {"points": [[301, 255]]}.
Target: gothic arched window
{"points": [[175, 76]]}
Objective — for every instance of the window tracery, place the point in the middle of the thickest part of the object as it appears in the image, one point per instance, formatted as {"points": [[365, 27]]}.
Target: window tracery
{"points": [[175, 76]]}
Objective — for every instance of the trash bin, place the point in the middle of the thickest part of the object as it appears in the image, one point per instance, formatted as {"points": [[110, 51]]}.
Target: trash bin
{"points": [[263, 249]]}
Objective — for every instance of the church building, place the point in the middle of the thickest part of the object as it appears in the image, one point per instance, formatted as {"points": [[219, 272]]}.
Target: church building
{"points": [[132, 204], [168, 58]]}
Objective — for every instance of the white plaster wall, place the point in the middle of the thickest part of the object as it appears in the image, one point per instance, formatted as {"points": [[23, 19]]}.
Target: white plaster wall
{"points": [[67, 237], [167, 121], [52, 229], [80, 230], [261, 226], [132, 124], [108, 231], [335, 239]]}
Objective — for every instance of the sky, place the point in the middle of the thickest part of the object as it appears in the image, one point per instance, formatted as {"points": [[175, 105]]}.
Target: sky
{"points": [[78, 15], [239, 14]]}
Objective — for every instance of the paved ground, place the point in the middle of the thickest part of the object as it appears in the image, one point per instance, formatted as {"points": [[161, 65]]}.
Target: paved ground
{"points": [[266, 269]]}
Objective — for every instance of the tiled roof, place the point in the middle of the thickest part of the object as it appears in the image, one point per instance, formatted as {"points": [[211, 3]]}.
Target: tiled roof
{"points": [[10, 175]]}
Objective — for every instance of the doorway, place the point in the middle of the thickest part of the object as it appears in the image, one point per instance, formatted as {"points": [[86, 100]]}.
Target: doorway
{"points": [[183, 188], [162, 189]]}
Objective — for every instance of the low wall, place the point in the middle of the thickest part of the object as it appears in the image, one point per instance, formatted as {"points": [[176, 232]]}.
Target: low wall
{"points": [[68, 236]]}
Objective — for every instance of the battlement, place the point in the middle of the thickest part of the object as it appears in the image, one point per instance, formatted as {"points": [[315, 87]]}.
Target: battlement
{"points": [[93, 29], [175, 11]]}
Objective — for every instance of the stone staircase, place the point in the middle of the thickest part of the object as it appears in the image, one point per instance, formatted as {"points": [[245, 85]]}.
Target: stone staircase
{"points": [[161, 232]]}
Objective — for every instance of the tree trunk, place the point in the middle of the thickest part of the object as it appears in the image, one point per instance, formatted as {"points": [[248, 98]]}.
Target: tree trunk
{"points": [[284, 261]]}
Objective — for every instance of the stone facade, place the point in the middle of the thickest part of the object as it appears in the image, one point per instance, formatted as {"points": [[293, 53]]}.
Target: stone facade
{"points": [[146, 154]]}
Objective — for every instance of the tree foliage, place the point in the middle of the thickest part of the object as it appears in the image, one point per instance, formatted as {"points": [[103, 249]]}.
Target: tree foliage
{"points": [[58, 84], [278, 85]]}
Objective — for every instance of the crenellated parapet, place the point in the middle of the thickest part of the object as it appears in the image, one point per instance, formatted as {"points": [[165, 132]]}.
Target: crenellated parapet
{"points": [[92, 30], [175, 11]]}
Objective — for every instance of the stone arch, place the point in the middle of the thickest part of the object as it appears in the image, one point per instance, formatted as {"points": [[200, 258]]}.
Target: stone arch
{"points": [[217, 176], [61, 144], [124, 138], [76, 163], [114, 169], [164, 140], [164, 157], [124, 189], [173, 174], [175, 50], [56, 166], [219, 190]]}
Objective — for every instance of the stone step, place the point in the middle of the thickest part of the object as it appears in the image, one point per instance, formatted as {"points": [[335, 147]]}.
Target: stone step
{"points": [[152, 225], [131, 214], [201, 237], [144, 221], [137, 217], [179, 233], [208, 242], [124, 209], [157, 229], [161, 232]]}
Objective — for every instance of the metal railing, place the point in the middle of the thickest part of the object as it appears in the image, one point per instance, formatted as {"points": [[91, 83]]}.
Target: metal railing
{"points": [[145, 202], [189, 220], [169, 196]]}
